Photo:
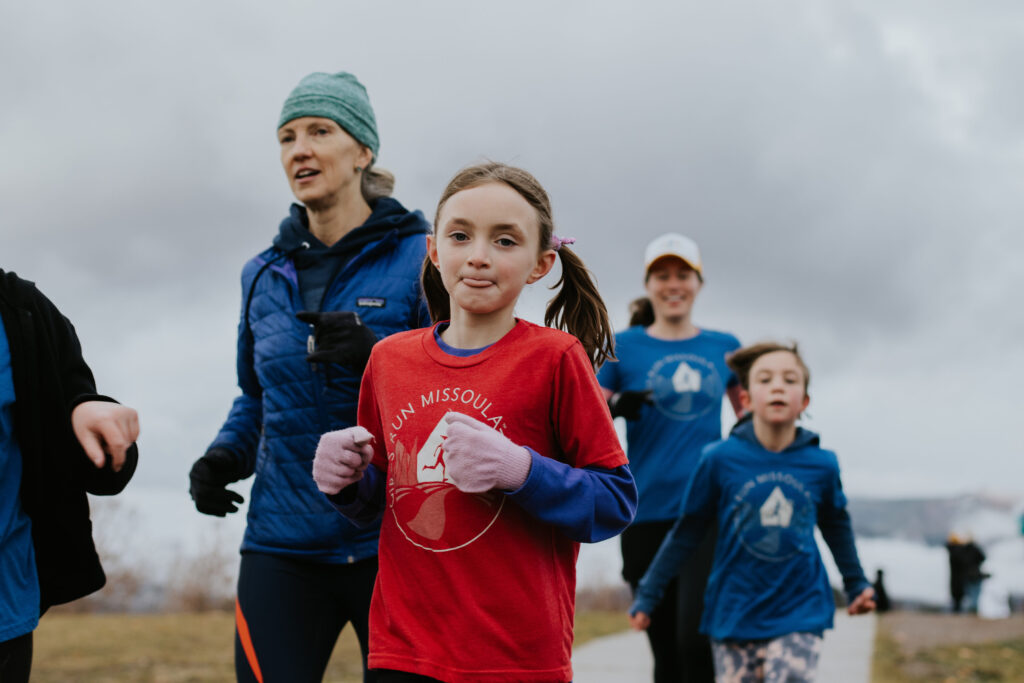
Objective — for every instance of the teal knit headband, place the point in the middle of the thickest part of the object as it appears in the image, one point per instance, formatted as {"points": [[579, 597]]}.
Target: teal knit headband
{"points": [[339, 97]]}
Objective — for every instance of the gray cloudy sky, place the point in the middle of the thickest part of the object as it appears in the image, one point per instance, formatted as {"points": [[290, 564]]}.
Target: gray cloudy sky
{"points": [[852, 171]]}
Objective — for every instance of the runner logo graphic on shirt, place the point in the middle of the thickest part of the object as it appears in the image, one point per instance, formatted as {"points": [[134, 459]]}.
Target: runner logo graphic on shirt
{"points": [[685, 379], [777, 510], [430, 464], [685, 386], [774, 516], [427, 508]]}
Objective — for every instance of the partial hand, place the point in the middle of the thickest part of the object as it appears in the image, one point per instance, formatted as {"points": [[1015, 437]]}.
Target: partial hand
{"points": [[863, 603], [340, 336], [341, 458], [208, 482], [639, 621], [627, 404], [478, 458], [102, 427]]}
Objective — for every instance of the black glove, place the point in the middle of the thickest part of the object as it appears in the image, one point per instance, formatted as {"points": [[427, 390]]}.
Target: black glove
{"points": [[627, 404], [341, 337], [208, 482]]}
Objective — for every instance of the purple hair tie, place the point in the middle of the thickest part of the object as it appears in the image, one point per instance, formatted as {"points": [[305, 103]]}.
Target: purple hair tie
{"points": [[557, 242]]}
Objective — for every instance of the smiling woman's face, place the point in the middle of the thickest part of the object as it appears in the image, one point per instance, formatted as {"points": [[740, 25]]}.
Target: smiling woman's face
{"points": [[320, 160], [672, 287]]}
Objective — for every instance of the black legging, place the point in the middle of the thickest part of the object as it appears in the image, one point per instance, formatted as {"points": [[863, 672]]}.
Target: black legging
{"points": [[290, 613], [16, 659], [682, 654]]}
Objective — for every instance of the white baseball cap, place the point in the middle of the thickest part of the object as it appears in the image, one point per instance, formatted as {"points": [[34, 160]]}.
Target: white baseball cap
{"points": [[673, 244]]}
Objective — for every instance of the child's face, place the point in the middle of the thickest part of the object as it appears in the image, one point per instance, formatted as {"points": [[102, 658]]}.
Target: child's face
{"points": [[672, 287], [487, 248], [776, 395]]}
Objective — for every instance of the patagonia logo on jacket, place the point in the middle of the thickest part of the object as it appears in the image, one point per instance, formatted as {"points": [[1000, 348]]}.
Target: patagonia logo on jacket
{"points": [[371, 302]]}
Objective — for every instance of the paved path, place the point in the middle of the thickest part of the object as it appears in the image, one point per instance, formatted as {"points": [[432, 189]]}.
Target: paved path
{"points": [[626, 658]]}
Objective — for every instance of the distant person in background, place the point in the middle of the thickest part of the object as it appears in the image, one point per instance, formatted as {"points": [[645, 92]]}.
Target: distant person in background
{"points": [[965, 575], [766, 487], [59, 440], [881, 595], [669, 384], [343, 272]]}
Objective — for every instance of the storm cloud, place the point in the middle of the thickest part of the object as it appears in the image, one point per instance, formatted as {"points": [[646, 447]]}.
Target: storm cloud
{"points": [[852, 171]]}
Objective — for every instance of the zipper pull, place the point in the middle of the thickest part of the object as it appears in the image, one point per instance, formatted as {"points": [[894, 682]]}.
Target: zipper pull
{"points": [[310, 348]]}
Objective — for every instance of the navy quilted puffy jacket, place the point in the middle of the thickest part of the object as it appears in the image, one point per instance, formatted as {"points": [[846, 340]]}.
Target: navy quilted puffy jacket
{"points": [[287, 403]]}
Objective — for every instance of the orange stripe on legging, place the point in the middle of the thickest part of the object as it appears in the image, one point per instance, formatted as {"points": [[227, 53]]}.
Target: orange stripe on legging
{"points": [[243, 635]]}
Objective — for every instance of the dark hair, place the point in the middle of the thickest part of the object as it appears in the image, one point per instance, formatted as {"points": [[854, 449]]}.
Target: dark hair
{"points": [[577, 308], [641, 312], [742, 360]]}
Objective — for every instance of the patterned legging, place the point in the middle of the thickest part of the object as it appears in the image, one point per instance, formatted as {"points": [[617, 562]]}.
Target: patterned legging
{"points": [[792, 658]]}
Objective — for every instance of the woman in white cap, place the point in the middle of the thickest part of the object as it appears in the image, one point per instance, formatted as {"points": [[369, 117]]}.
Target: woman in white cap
{"points": [[669, 384], [342, 273]]}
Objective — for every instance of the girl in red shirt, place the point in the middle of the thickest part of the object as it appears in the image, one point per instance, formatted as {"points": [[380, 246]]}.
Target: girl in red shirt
{"points": [[486, 444]]}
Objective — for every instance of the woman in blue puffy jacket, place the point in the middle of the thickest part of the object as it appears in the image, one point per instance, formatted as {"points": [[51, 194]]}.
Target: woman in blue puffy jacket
{"points": [[342, 273]]}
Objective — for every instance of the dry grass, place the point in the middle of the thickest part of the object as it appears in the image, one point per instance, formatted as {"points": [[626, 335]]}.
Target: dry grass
{"points": [[115, 647], [175, 648], [946, 648]]}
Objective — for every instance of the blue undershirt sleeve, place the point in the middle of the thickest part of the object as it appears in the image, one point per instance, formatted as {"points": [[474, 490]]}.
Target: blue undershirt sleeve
{"points": [[587, 504], [362, 503]]}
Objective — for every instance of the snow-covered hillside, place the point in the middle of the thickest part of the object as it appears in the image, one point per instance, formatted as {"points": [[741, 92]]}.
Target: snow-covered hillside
{"points": [[158, 532]]}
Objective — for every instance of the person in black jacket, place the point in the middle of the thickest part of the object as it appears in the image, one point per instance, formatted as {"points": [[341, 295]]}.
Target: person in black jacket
{"points": [[965, 575], [59, 440]]}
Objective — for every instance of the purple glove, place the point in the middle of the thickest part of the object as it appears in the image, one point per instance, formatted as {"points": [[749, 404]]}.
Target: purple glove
{"points": [[478, 458], [341, 458]]}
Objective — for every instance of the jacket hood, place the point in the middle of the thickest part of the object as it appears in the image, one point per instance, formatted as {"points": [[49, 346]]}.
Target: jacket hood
{"points": [[387, 215], [744, 430]]}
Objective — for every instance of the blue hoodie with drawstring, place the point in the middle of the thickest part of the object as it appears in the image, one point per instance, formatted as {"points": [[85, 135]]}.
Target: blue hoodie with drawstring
{"points": [[768, 577], [286, 402]]}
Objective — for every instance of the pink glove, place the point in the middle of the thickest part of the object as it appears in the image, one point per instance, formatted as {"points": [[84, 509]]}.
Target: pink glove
{"points": [[478, 458], [341, 457]]}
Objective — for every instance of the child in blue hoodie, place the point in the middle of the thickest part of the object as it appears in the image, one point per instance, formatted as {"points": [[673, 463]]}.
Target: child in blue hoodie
{"points": [[768, 599]]}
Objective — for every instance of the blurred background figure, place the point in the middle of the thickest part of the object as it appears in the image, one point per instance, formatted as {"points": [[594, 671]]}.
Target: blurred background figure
{"points": [[882, 603], [965, 575], [669, 383]]}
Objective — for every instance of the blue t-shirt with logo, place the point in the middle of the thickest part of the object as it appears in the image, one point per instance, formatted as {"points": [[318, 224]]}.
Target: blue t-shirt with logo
{"points": [[19, 584], [688, 379], [768, 578]]}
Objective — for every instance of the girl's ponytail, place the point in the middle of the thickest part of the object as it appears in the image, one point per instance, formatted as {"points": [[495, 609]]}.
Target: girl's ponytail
{"points": [[438, 303], [578, 309]]}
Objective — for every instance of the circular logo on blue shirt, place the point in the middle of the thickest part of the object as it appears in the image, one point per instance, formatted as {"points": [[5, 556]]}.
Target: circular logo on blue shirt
{"points": [[774, 517], [685, 386]]}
